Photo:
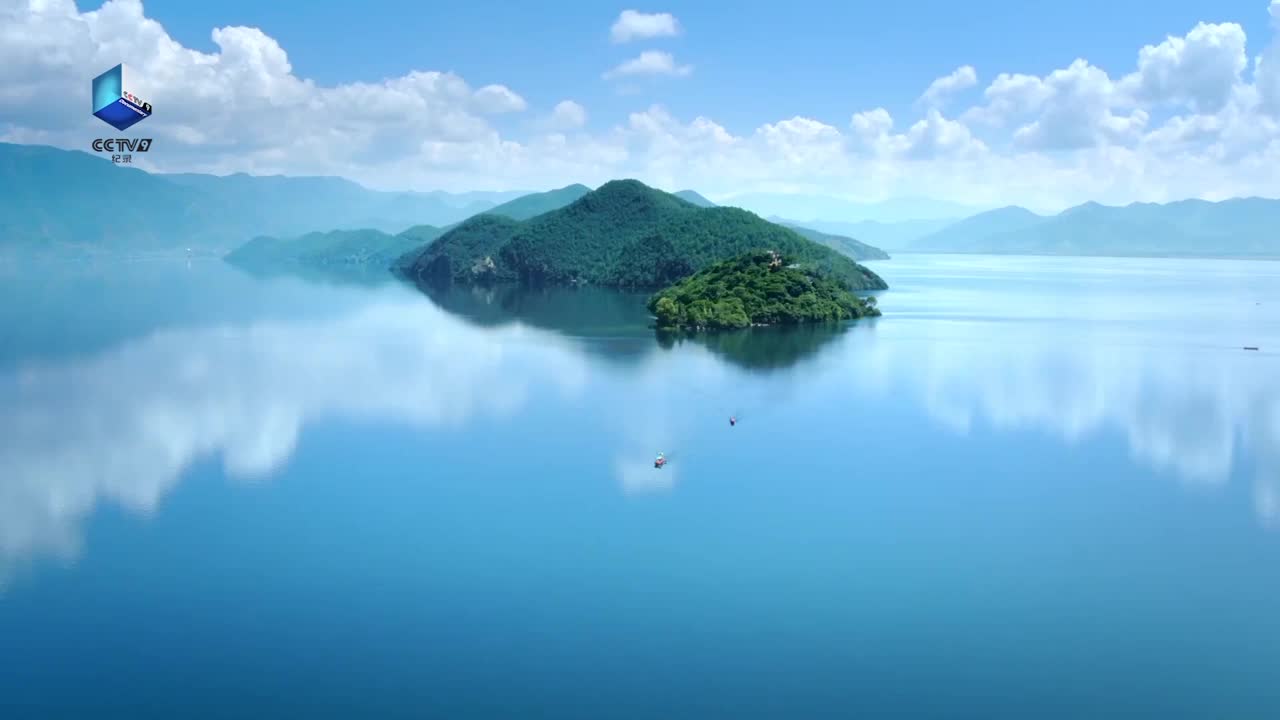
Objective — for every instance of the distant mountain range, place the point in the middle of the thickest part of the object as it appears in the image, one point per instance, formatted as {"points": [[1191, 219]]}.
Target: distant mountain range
{"points": [[359, 252], [840, 243], [695, 198], [968, 234], [527, 206], [373, 251], [342, 251], [809, 210], [887, 235], [623, 234], [472, 198], [1243, 227], [70, 199]]}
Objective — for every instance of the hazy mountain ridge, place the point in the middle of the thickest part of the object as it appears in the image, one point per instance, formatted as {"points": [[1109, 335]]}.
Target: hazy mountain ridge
{"points": [[962, 234], [71, 200], [840, 243], [808, 210], [374, 251], [1240, 227], [534, 204], [74, 202], [886, 235], [694, 197], [334, 250]]}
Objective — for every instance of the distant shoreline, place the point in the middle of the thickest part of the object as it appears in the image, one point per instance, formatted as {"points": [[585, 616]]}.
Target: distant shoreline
{"points": [[1269, 258]]}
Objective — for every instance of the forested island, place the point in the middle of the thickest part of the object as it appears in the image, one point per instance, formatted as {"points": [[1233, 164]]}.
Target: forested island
{"points": [[623, 234], [730, 268], [760, 287]]}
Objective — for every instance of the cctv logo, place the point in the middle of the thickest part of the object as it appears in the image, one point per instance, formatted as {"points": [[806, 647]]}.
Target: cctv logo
{"points": [[122, 144], [114, 103]]}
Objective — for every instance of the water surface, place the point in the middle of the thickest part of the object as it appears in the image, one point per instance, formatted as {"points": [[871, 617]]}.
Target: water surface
{"points": [[1037, 487]]}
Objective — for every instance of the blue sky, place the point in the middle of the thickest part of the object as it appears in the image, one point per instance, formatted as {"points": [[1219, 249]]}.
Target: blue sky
{"points": [[754, 63], [1049, 104]]}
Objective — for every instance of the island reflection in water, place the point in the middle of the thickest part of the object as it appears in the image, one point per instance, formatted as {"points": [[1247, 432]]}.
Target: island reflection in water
{"points": [[122, 425], [618, 327]]}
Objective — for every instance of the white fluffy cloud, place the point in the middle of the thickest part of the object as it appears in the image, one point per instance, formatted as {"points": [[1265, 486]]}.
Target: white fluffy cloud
{"points": [[1192, 116], [801, 141], [1267, 68], [1200, 70], [240, 108], [1069, 109], [497, 99], [931, 138], [568, 114], [1007, 96], [633, 25], [1077, 112], [650, 62], [872, 124], [939, 90]]}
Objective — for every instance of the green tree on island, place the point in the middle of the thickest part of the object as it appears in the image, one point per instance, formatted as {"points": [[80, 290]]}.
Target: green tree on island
{"points": [[757, 288]]}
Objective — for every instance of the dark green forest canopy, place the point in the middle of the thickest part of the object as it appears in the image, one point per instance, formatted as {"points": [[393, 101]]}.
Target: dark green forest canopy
{"points": [[624, 234], [756, 288]]}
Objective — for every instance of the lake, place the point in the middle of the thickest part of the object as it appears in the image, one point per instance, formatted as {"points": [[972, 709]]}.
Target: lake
{"points": [[1035, 488]]}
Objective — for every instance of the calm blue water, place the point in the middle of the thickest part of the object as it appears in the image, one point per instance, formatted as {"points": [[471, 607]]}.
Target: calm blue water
{"points": [[1036, 488]]}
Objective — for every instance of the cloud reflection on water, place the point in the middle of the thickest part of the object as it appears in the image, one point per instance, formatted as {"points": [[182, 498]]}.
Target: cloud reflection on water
{"points": [[123, 425], [1200, 413]]}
